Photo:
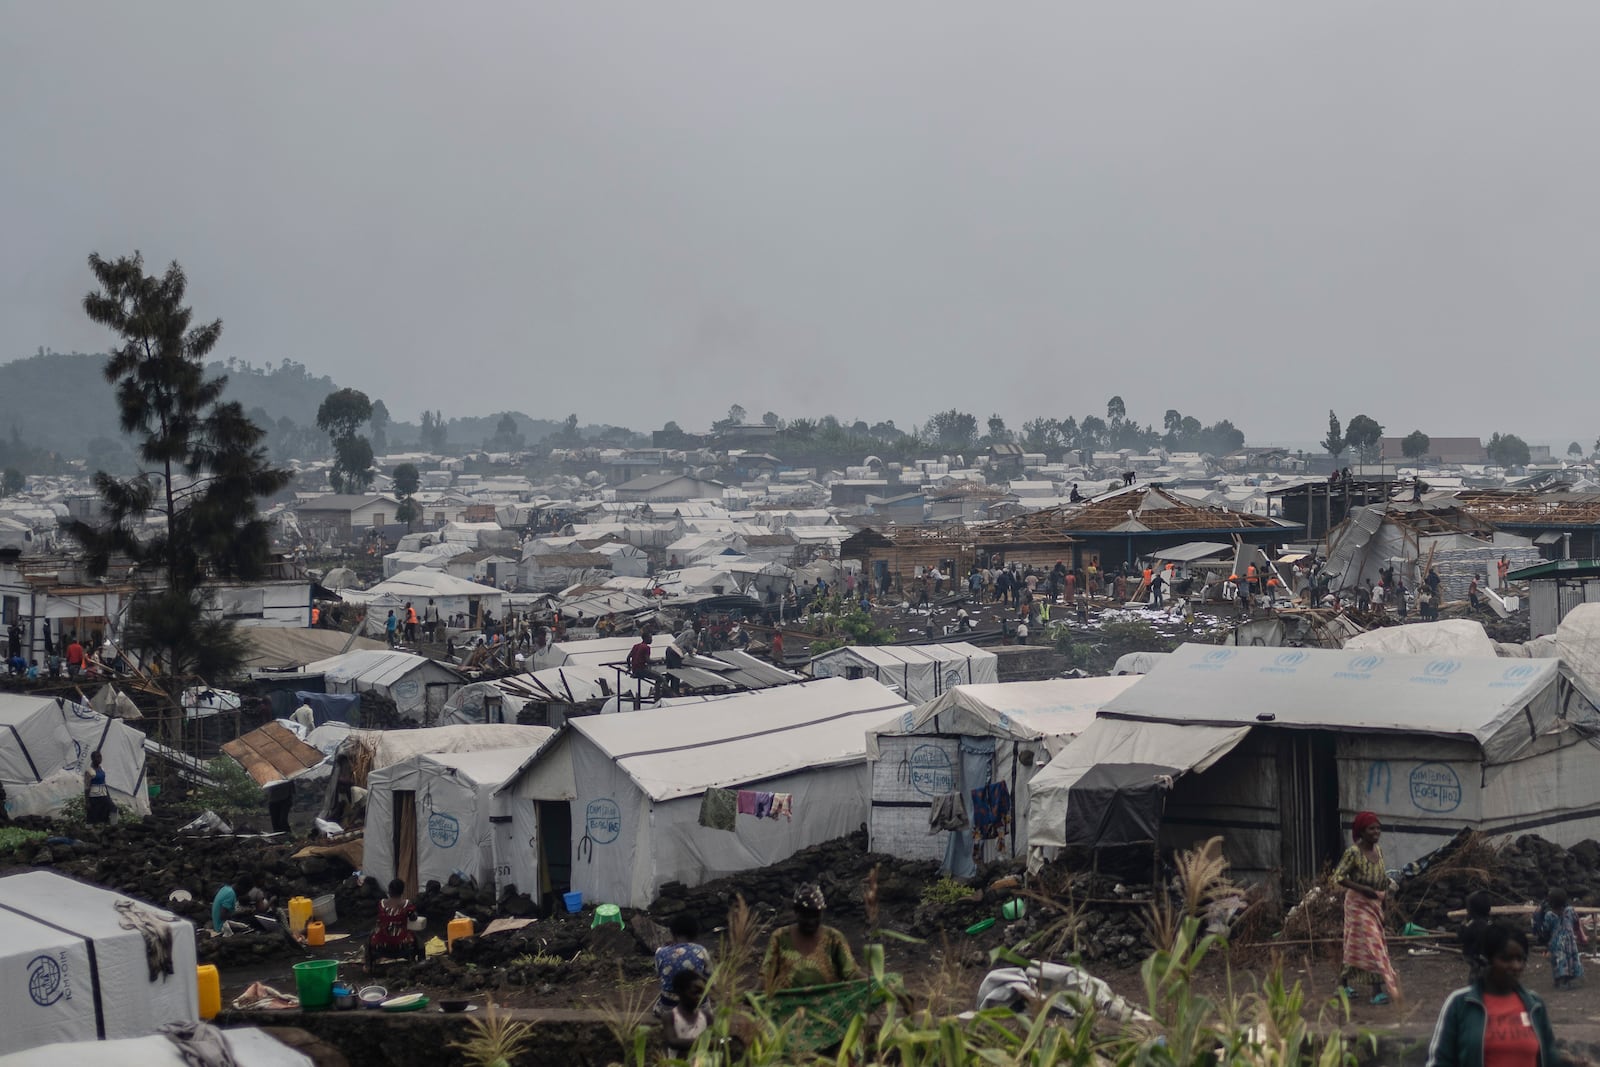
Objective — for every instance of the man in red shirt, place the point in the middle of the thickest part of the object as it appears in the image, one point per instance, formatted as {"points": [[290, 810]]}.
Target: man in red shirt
{"points": [[74, 658]]}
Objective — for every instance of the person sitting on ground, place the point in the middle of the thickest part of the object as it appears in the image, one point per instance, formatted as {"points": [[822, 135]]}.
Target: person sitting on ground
{"points": [[688, 1017], [1495, 1020], [683, 954], [226, 902], [392, 935], [1471, 935], [807, 953]]}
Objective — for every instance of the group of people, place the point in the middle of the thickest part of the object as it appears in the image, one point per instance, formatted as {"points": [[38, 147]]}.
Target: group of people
{"points": [[1494, 1019], [804, 953], [75, 660]]}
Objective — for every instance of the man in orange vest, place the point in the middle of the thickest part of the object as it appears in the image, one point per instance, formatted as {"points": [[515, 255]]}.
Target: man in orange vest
{"points": [[411, 624]]}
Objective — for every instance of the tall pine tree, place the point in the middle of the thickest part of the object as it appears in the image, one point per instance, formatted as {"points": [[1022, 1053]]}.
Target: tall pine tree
{"points": [[189, 515]]}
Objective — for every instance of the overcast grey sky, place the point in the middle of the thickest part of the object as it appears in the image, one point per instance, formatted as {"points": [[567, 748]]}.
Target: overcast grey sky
{"points": [[649, 211]]}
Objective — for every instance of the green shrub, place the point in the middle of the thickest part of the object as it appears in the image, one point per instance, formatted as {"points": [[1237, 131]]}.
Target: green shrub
{"points": [[13, 836], [946, 891]]}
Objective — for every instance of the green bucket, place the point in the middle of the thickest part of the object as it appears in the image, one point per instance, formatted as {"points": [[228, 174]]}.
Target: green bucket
{"points": [[154, 790], [313, 980]]}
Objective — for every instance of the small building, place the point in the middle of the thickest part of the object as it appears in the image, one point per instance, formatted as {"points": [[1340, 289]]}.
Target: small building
{"points": [[618, 798], [1277, 749], [1555, 588], [966, 739], [340, 518], [664, 488], [919, 672], [429, 816], [418, 686]]}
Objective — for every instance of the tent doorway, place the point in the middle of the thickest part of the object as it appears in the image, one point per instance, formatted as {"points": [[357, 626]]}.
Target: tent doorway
{"points": [[1308, 774], [405, 840], [434, 697], [555, 845]]}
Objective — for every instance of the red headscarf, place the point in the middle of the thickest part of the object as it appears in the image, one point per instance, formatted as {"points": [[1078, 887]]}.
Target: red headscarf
{"points": [[1363, 820]]}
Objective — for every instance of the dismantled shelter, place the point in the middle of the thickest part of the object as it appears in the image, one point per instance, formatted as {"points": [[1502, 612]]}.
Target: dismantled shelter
{"points": [[1277, 749], [45, 744], [1410, 537]]}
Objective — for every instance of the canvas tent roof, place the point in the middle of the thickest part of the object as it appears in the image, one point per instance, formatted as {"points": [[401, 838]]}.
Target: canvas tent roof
{"points": [[1190, 551], [1468, 698], [281, 647], [45, 743], [1119, 742], [373, 667], [681, 751], [1054, 711], [412, 584]]}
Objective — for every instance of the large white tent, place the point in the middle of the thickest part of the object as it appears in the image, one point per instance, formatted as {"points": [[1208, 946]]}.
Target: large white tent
{"points": [[428, 817], [632, 785], [45, 744], [919, 672], [969, 737], [70, 971], [1279, 748], [450, 595], [419, 686]]}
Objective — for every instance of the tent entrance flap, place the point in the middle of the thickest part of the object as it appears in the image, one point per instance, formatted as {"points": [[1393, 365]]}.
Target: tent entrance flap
{"points": [[405, 840], [1309, 776], [1118, 804]]}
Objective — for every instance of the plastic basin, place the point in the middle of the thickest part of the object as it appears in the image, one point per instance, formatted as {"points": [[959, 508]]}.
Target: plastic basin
{"points": [[313, 980], [573, 901]]}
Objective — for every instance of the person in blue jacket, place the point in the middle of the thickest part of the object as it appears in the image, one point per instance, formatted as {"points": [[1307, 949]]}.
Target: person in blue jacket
{"points": [[1496, 1021]]}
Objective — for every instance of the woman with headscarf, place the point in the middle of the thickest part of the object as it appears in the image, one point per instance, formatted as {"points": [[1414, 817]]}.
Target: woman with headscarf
{"points": [[807, 953], [1365, 881]]}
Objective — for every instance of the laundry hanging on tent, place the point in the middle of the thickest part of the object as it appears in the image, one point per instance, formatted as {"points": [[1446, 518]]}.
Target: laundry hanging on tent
{"points": [[947, 813], [782, 804], [719, 809], [763, 805], [991, 811], [747, 801]]}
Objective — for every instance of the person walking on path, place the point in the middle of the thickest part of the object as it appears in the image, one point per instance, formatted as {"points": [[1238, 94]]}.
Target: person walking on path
{"points": [[1496, 1021], [1365, 881]]}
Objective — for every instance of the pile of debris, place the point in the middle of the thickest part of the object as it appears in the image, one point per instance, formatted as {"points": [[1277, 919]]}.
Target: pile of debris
{"points": [[1521, 872]]}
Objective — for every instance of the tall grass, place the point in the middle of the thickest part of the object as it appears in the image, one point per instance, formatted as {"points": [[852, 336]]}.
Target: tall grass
{"points": [[1266, 1026]]}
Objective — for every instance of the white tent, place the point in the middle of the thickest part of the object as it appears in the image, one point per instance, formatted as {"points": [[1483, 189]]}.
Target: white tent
{"points": [[482, 702], [920, 672], [451, 595], [388, 747], [1279, 748], [45, 744], [1447, 637], [69, 971], [969, 737], [428, 817], [632, 785], [249, 1048], [418, 686]]}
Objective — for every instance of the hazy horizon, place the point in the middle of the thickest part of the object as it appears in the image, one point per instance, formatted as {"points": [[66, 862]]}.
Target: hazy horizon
{"points": [[1241, 210]]}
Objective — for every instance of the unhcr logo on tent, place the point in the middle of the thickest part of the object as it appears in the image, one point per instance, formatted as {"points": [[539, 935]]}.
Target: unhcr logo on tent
{"points": [[1285, 662], [1214, 660], [1515, 677], [1437, 672], [1360, 668]]}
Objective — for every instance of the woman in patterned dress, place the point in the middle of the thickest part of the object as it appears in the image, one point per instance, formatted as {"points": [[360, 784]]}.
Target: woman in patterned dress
{"points": [[1365, 881]]}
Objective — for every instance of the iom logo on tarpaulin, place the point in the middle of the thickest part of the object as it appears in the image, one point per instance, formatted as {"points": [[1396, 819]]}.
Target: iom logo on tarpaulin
{"points": [[47, 980], [443, 830]]}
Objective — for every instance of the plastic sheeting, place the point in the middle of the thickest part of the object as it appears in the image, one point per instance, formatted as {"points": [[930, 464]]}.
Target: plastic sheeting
{"points": [[1448, 637], [250, 1048], [1119, 741], [45, 745], [69, 972], [1479, 698]]}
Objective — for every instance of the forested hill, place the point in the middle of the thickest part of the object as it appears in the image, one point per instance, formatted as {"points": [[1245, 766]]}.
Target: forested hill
{"points": [[61, 401]]}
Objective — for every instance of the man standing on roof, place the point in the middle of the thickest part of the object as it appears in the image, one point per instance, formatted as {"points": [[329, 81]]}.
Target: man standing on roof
{"points": [[1504, 568]]}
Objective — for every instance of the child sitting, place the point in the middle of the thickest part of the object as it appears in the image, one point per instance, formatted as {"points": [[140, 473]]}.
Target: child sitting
{"points": [[689, 1017]]}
